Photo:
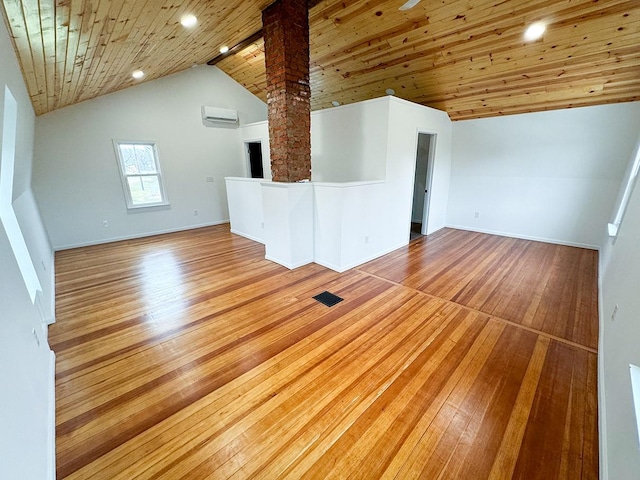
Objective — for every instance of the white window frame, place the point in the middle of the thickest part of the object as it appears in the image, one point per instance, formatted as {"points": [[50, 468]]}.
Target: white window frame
{"points": [[625, 196], [124, 175], [8, 218]]}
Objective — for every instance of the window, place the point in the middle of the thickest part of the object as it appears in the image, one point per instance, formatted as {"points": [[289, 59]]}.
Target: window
{"points": [[141, 175]]}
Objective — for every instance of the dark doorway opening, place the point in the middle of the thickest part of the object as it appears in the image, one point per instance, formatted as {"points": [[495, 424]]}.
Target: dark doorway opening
{"points": [[254, 152], [422, 185]]}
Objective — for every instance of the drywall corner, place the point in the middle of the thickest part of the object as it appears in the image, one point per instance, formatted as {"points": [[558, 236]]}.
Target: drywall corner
{"points": [[602, 399], [51, 460]]}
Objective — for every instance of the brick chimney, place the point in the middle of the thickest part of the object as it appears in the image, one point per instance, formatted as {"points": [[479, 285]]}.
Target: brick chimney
{"points": [[286, 44]]}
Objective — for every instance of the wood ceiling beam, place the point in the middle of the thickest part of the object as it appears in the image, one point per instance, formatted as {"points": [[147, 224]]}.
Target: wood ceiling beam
{"points": [[248, 41], [237, 48]]}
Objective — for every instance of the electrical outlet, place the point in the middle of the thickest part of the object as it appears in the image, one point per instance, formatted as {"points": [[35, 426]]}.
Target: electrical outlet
{"points": [[105, 224], [366, 239], [195, 213], [262, 224], [614, 313], [477, 215]]}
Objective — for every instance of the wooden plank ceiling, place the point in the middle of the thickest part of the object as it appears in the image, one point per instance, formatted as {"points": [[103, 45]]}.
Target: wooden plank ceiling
{"points": [[467, 57]]}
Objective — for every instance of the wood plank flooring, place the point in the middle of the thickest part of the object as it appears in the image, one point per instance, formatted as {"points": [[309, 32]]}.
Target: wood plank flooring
{"points": [[461, 356], [550, 288]]}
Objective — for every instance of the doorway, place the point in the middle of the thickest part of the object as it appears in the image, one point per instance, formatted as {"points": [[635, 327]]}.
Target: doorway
{"points": [[254, 157], [422, 184]]}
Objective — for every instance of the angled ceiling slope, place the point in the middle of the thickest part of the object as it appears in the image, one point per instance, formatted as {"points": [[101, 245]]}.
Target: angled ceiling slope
{"points": [[467, 57]]}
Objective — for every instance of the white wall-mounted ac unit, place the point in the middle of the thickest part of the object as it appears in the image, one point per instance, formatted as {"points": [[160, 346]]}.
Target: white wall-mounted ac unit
{"points": [[219, 115]]}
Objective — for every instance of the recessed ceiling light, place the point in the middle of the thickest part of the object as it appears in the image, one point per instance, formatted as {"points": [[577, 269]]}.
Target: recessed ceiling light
{"points": [[224, 49], [188, 21], [335, 103], [534, 31], [138, 74], [390, 91]]}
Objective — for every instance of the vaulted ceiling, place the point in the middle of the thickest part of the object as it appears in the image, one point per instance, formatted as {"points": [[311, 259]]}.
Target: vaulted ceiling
{"points": [[467, 57]]}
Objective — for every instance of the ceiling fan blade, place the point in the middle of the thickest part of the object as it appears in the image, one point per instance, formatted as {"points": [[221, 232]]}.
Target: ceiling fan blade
{"points": [[409, 4]]}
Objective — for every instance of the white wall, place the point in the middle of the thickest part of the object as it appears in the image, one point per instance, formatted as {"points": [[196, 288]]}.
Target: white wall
{"points": [[76, 177], [374, 219], [551, 175], [26, 368], [620, 341], [256, 132], [620, 345], [406, 120], [370, 216], [348, 228], [244, 196], [39, 246], [288, 223], [348, 142]]}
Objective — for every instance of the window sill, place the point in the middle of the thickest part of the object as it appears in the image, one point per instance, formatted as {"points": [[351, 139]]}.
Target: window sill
{"points": [[148, 208]]}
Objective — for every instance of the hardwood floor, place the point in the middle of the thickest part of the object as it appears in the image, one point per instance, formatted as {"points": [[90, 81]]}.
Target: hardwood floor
{"points": [[550, 288], [461, 356]]}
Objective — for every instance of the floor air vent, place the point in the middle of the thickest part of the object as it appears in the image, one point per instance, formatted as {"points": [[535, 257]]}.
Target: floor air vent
{"points": [[328, 299]]}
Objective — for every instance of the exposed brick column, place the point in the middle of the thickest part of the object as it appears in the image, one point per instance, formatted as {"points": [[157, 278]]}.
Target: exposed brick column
{"points": [[286, 45]]}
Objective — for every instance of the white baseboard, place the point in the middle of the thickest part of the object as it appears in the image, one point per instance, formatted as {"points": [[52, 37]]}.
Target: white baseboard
{"points": [[524, 237], [51, 461], [138, 235], [52, 300], [368, 258], [432, 230], [290, 266], [329, 265], [357, 263], [246, 235]]}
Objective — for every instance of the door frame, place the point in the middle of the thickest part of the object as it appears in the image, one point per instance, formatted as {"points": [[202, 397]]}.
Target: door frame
{"points": [[247, 158], [429, 180]]}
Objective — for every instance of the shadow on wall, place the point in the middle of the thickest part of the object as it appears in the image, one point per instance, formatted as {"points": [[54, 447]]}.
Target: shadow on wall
{"points": [[347, 145]]}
